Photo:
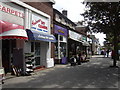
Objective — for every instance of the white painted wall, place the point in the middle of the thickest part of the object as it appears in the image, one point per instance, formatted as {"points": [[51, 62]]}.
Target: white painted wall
{"points": [[43, 56], [10, 17]]}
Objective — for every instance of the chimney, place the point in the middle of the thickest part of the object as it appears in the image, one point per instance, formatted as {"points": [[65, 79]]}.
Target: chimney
{"points": [[64, 12]]}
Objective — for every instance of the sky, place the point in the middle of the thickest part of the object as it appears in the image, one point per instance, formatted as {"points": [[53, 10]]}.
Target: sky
{"points": [[75, 8]]}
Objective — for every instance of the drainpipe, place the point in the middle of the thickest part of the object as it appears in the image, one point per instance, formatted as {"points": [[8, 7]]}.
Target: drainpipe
{"points": [[0, 53]]}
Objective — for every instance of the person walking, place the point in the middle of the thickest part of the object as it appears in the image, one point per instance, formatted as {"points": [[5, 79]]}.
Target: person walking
{"points": [[78, 57], [104, 53], [73, 60], [108, 52]]}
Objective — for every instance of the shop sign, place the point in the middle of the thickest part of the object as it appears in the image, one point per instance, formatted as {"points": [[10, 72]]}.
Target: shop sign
{"points": [[45, 37], [75, 36], [1, 71], [84, 38], [60, 30], [11, 11], [40, 23]]}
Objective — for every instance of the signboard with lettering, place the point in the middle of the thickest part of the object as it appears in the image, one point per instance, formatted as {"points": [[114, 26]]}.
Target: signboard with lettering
{"points": [[60, 30], [40, 23], [11, 10], [75, 36], [12, 13]]}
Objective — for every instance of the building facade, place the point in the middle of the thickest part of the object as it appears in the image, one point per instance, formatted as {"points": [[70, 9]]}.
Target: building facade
{"points": [[61, 34], [12, 35], [25, 30]]}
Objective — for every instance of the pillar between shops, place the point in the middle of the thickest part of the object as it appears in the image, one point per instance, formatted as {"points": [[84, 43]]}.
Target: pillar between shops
{"points": [[0, 53]]}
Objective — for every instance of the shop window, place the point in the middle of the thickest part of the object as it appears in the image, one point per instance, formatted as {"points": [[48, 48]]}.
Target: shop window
{"points": [[56, 50], [37, 48], [61, 38], [37, 53], [63, 50], [60, 18], [37, 60]]}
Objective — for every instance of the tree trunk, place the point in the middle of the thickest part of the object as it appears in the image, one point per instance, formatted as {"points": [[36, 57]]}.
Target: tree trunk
{"points": [[115, 48]]}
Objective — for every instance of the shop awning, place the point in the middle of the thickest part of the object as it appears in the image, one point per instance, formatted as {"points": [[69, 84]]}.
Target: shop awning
{"points": [[12, 31], [85, 43], [36, 35]]}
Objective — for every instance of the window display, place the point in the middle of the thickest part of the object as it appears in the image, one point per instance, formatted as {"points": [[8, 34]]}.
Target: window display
{"points": [[35, 47]]}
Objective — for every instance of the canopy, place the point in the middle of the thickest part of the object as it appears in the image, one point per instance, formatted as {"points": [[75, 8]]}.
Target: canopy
{"points": [[36, 35], [12, 31]]}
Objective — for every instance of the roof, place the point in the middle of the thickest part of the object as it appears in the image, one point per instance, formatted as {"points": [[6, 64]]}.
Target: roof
{"points": [[56, 11], [52, 1]]}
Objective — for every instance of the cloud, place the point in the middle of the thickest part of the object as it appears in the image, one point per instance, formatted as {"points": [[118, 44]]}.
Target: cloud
{"points": [[74, 8]]}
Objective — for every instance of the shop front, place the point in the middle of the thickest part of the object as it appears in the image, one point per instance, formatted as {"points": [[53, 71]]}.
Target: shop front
{"points": [[61, 44], [12, 35], [86, 46], [39, 41], [74, 43]]}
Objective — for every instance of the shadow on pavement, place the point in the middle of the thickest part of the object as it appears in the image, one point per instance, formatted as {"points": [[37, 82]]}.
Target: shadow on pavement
{"points": [[92, 75]]}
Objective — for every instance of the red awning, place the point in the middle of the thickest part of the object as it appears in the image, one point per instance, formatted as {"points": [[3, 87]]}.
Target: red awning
{"points": [[12, 31]]}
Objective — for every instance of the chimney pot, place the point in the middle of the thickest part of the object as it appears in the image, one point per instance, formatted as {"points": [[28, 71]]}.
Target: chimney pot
{"points": [[64, 12]]}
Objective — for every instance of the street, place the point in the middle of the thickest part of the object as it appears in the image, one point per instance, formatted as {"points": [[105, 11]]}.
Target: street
{"points": [[93, 74]]}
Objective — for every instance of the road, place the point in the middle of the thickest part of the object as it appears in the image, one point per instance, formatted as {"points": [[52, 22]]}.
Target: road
{"points": [[93, 74]]}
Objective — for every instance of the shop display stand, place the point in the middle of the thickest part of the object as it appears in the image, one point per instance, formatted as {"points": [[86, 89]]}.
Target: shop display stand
{"points": [[29, 62]]}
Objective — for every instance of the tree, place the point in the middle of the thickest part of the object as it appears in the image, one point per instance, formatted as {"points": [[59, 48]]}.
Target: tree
{"points": [[104, 17]]}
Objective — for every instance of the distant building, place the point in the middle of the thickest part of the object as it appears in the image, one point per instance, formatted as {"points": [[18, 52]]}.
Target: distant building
{"points": [[96, 47], [62, 27]]}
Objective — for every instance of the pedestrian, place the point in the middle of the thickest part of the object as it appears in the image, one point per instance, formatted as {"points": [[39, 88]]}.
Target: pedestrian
{"points": [[104, 53], [78, 57], [73, 60], [83, 56], [108, 52]]}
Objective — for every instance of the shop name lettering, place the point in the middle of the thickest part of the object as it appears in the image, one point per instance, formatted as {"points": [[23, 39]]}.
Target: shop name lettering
{"points": [[45, 37], [11, 11], [40, 25], [60, 31]]}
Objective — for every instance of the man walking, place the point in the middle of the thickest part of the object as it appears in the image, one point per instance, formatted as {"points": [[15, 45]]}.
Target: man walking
{"points": [[108, 53]]}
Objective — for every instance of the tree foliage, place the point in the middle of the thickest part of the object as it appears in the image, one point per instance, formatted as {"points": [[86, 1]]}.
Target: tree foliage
{"points": [[102, 16]]}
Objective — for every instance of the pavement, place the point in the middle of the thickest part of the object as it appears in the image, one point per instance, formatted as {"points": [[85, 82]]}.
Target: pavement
{"points": [[96, 74]]}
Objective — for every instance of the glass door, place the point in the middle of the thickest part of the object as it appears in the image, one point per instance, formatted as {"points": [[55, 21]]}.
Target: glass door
{"points": [[37, 53]]}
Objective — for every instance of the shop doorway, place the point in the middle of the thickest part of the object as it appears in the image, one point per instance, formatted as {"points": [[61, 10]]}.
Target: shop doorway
{"points": [[35, 47], [7, 50]]}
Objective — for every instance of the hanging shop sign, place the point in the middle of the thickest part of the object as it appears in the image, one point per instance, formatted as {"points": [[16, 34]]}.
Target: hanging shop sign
{"points": [[60, 30], [11, 10], [40, 23], [84, 38], [75, 36]]}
